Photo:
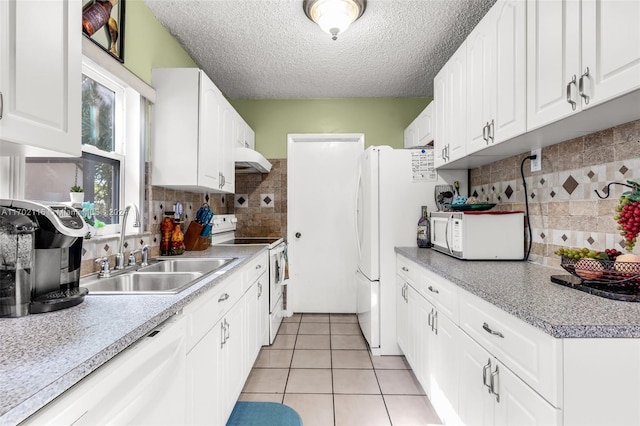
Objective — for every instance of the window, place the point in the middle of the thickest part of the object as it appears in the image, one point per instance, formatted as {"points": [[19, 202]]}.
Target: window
{"points": [[111, 114]]}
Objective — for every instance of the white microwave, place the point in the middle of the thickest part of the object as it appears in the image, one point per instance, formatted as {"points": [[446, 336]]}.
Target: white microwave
{"points": [[478, 235]]}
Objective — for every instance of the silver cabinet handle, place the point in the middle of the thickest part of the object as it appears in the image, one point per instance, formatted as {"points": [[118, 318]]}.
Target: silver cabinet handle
{"points": [[222, 339], [484, 375], [430, 319], [223, 297], [433, 290], [1, 105], [435, 322], [227, 333], [485, 133], [404, 268], [258, 267], [581, 86], [569, 98], [495, 384], [492, 131], [488, 329]]}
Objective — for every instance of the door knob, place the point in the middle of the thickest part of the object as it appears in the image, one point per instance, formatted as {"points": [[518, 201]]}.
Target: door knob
{"points": [[298, 235]]}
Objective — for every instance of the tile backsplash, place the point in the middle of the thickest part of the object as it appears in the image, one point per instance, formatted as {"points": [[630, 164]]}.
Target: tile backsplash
{"points": [[563, 205]]}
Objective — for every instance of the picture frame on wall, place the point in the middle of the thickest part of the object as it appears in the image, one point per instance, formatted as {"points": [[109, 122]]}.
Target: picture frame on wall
{"points": [[103, 24]]}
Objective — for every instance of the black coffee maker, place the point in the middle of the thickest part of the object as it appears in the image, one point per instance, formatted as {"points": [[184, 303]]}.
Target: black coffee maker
{"points": [[57, 254]]}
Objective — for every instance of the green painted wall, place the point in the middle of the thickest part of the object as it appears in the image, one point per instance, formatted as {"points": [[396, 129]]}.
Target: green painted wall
{"points": [[147, 44], [382, 120]]}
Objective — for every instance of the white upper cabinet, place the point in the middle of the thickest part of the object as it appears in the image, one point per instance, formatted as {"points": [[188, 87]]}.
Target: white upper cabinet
{"points": [[450, 95], [580, 54], [421, 131], [194, 125], [496, 77], [37, 108]]}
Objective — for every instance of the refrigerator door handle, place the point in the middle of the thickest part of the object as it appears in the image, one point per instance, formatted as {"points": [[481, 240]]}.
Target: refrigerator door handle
{"points": [[355, 210]]}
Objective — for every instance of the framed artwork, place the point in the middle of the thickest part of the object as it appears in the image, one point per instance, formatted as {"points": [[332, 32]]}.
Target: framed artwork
{"points": [[103, 24]]}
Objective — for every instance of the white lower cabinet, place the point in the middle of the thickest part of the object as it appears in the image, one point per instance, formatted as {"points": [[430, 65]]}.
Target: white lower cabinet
{"points": [[144, 385], [490, 394]]}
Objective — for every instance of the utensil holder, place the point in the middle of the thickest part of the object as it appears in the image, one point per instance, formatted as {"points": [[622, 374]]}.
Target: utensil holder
{"points": [[192, 238]]}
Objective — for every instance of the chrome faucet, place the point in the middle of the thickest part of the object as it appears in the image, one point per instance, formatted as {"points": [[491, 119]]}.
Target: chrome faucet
{"points": [[136, 224]]}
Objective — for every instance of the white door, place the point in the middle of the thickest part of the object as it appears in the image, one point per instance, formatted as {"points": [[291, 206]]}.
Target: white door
{"points": [[322, 172], [475, 402]]}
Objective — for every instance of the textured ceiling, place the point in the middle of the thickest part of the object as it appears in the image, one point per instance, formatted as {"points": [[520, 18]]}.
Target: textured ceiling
{"points": [[269, 49]]}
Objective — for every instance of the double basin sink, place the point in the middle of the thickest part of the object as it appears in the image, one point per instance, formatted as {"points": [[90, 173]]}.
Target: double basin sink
{"points": [[161, 276]]}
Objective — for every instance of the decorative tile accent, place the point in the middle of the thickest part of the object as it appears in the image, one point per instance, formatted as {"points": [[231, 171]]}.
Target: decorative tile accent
{"points": [[267, 200], [106, 247], [591, 174], [591, 240], [475, 193], [552, 193], [241, 200], [570, 185], [542, 181], [564, 237], [623, 170], [533, 195], [508, 192], [542, 235], [84, 251]]}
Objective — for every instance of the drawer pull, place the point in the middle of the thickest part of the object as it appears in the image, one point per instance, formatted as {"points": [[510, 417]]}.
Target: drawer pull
{"points": [[404, 268], [490, 331], [258, 267], [433, 290], [223, 297]]}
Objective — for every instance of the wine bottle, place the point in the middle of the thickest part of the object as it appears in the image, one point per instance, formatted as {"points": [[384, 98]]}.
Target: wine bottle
{"points": [[424, 232], [96, 15]]}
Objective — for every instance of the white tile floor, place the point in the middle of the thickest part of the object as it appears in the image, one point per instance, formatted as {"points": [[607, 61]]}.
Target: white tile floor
{"points": [[320, 366]]}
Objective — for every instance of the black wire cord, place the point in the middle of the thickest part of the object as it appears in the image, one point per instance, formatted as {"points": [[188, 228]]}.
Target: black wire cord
{"points": [[526, 202]]}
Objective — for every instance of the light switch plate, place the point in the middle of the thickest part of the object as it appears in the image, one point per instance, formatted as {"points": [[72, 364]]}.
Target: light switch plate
{"points": [[536, 165]]}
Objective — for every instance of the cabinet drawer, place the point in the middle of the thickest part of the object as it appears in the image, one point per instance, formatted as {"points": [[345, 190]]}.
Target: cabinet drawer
{"points": [[206, 311], [407, 269], [442, 293], [530, 353], [254, 269]]}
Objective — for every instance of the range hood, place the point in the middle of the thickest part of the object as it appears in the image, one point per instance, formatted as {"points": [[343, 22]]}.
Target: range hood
{"points": [[251, 161]]}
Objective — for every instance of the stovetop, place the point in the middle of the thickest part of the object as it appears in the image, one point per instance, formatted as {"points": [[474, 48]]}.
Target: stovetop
{"points": [[256, 240]]}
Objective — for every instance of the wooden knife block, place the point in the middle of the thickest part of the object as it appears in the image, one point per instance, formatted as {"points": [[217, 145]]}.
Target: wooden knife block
{"points": [[193, 241]]}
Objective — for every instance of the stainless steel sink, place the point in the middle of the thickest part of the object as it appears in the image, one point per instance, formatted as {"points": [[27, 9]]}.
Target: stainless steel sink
{"points": [[202, 266], [142, 283]]}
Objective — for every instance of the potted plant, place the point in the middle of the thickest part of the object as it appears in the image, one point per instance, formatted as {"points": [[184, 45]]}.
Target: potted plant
{"points": [[76, 193]]}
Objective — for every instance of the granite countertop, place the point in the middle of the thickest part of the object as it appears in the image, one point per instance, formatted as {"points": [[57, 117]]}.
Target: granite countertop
{"points": [[43, 355], [524, 289]]}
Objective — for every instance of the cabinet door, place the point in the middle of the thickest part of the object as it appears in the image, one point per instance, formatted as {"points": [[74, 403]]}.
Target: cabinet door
{"points": [[250, 138], [402, 312], [425, 125], [231, 363], [444, 373], [263, 311], [410, 136], [456, 113], [209, 133], [475, 402], [480, 83], [553, 60], [518, 404], [610, 48], [227, 147], [203, 392], [509, 79], [440, 135], [41, 109], [420, 318]]}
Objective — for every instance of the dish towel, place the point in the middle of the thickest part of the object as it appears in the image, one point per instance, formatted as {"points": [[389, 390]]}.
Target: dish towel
{"points": [[286, 262], [252, 413]]}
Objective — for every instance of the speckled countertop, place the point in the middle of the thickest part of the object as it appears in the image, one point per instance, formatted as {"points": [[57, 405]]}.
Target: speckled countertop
{"points": [[524, 289], [43, 355]]}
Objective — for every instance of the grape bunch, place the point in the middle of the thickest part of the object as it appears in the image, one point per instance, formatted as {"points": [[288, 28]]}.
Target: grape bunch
{"points": [[585, 253], [628, 216]]}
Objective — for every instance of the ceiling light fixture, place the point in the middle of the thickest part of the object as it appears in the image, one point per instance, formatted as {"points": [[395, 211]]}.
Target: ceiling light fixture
{"points": [[334, 16]]}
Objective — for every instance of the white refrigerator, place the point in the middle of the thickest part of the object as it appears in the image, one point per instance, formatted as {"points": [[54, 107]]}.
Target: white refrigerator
{"points": [[393, 184]]}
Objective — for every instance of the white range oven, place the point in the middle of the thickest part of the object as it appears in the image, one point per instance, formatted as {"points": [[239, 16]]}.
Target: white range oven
{"points": [[223, 234]]}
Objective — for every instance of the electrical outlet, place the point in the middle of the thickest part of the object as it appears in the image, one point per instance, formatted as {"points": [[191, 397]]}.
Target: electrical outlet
{"points": [[536, 165]]}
